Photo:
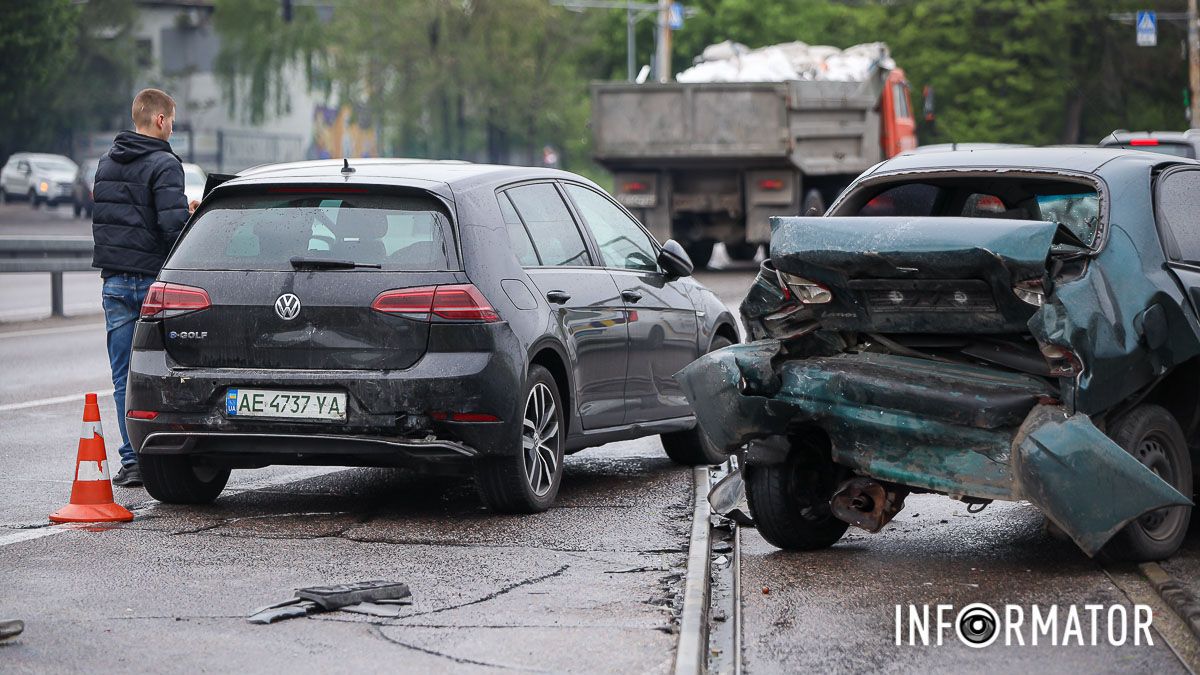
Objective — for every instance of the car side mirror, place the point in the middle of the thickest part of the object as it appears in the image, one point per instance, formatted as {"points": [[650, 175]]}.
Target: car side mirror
{"points": [[674, 260]]}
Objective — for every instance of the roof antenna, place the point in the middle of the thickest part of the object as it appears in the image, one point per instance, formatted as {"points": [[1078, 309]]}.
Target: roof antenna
{"points": [[346, 168]]}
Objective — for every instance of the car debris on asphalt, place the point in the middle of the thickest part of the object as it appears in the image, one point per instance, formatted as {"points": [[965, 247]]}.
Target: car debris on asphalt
{"points": [[374, 598]]}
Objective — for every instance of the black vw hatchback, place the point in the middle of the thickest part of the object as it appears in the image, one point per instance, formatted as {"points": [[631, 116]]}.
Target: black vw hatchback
{"points": [[437, 315]]}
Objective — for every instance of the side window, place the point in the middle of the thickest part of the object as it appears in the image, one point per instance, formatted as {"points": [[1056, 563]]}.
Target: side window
{"points": [[23, 166], [517, 233], [554, 233], [1179, 209], [622, 242], [900, 101]]}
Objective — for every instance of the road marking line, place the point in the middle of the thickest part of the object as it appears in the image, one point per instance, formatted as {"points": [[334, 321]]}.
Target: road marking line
{"points": [[149, 505], [55, 331], [49, 401]]}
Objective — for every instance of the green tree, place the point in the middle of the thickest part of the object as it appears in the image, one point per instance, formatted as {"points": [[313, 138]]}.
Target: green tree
{"points": [[37, 45]]}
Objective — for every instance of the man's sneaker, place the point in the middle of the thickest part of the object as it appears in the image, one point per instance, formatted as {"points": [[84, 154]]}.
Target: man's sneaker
{"points": [[128, 476]]}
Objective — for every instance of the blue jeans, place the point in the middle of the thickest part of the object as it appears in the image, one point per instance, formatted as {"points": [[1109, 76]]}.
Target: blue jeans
{"points": [[123, 296]]}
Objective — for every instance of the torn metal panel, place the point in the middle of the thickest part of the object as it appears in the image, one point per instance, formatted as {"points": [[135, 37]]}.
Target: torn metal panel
{"points": [[941, 427]]}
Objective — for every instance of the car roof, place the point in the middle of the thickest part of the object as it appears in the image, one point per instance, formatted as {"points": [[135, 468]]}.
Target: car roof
{"points": [[456, 174], [1077, 159]]}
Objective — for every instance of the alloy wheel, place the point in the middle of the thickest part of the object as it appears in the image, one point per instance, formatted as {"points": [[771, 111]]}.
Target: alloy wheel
{"points": [[540, 439]]}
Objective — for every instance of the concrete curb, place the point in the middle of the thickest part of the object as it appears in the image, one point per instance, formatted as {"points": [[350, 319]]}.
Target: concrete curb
{"points": [[1176, 596], [691, 652]]}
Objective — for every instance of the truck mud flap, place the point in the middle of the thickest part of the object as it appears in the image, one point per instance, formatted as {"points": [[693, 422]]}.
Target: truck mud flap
{"points": [[1081, 480]]}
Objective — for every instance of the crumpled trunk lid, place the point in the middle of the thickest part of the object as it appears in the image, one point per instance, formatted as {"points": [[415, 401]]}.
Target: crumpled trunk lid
{"points": [[916, 275]]}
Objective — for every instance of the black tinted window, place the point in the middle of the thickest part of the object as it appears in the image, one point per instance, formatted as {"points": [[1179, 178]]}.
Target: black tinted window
{"points": [[517, 233], [1179, 209], [264, 232], [555, 235]]}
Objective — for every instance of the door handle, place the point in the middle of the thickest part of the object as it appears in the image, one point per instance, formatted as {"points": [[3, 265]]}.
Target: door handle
{"points": [[631, 296], [558, 297]]}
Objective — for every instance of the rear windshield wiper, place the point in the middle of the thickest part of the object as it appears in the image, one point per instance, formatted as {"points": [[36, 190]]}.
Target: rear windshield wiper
{"points": [[300, 263]]}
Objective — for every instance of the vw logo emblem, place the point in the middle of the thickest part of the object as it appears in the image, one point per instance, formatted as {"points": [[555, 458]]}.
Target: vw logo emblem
{"points": [[287, 306]]}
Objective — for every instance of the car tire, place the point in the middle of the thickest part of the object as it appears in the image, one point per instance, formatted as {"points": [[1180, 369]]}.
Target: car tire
{"points": [[692, 447], [1152, 435], [176, 479], [790, 501], [700, 252], [33, 199], [527, 480]]}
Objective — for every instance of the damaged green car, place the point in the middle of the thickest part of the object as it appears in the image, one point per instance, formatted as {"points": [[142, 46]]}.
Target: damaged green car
{"points": [[990, 325]]}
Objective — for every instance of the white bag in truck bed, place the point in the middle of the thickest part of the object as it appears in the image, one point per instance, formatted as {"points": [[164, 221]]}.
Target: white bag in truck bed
{"points": [[734, 62]]}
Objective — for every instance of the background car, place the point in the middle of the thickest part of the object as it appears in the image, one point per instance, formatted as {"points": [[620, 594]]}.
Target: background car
{"points": [[439, 315], [37, 177], [81, 189], [1178, 143], [193, 181]]}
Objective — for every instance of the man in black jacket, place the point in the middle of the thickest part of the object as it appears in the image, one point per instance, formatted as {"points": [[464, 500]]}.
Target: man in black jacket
{"points": [[139, 212]]}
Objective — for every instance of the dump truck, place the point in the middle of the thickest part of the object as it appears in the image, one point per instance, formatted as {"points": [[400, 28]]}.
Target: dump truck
{"points": [[703, 162]]}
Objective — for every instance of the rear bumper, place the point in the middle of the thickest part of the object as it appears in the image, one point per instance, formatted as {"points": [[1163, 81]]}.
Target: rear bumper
{"points": [[388, 417], [950, 428]]}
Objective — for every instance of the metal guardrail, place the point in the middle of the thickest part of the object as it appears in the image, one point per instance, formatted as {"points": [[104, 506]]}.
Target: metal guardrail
{"points": [[19, 253]]}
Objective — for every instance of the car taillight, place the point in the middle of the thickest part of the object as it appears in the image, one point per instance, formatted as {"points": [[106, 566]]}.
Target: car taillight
{"points": [[1030, 292], [141, 414], [804, 291], [165, 299], [458, 302], [1062, 361]]}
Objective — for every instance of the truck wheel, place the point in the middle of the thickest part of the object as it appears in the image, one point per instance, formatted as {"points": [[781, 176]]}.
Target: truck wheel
{"points": [[527, 481], [814, 204], [176, 479], [1153, 436], [700, 252], [692, 447], [790, 501], [741, 250]]}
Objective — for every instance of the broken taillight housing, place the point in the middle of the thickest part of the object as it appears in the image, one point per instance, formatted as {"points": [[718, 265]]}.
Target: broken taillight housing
{"points": [[458, 302], [164, 299], [805, 291], [1031, 291], [1062, 361]]}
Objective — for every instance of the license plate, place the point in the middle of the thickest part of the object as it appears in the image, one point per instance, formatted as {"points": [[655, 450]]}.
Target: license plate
{"points": [[313, 405]]}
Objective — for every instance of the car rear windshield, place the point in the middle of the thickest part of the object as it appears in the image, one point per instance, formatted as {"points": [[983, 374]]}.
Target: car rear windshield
{"points": [[1073, 204], [265, 232]]}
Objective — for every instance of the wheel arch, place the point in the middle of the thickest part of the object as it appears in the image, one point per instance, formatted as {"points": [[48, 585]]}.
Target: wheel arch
{"points": [[551, 356]]}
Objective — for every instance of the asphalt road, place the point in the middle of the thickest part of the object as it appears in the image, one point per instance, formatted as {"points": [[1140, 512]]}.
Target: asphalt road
{"points": [[592, 585]]}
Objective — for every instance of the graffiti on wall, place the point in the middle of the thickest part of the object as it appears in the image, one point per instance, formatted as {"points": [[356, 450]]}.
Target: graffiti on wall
{"points": [[342, 132]]}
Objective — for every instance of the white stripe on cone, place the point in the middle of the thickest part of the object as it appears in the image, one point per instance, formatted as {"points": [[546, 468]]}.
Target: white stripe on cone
{"points": [[92, 470], [91, 430]]}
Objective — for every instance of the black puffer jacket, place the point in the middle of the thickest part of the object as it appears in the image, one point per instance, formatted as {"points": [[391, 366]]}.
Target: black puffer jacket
{"points": [[140, 206]]}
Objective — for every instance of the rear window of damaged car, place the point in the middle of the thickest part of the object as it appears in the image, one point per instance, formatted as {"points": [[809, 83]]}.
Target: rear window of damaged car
{"points": [[264, 232], [1074, 204]]}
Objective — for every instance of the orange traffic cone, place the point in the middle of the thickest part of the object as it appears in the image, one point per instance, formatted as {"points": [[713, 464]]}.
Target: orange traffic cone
{"points": [[91, 495]]}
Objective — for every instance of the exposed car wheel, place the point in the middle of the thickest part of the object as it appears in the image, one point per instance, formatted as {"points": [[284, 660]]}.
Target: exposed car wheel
{"points": [[790, 501], [700, 252], [1153, 436], [814, 204], [176, 479], [692, 447], [527, 481], [33, 199], [741, 250]]}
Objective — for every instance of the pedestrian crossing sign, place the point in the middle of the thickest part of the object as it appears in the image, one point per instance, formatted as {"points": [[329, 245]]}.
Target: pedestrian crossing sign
{"points": [[1147, 28]]}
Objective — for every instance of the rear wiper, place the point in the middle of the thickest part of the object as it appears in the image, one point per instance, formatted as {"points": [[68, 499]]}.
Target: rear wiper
{"points": [[300, 263]]}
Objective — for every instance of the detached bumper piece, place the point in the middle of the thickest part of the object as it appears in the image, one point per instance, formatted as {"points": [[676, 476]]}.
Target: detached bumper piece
{"points": [[376, 598], [958, 429]]}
